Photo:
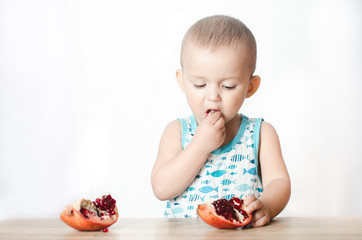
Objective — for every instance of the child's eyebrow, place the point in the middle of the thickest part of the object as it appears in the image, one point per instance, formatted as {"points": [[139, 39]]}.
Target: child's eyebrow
{"points": [[232, 79], [197, 77]]}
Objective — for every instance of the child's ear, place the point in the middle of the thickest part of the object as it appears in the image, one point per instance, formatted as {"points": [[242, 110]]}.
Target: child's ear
{"points": [[254, 84], [180, 79]]}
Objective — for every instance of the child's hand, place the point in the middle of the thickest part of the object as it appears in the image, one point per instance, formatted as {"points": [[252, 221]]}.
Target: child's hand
{"points": [[261, 214], [210, 134]]}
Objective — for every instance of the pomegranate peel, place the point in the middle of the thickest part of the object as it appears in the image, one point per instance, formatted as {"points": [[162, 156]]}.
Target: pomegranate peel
{"points": [[86, 215], [224, 213]]}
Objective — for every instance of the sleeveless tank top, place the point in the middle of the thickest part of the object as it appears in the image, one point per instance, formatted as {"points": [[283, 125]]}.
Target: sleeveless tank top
{"points": [[229, 171]]}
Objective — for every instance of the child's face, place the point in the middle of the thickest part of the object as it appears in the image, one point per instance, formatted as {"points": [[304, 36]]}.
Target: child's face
{"points": [[214, 80]]}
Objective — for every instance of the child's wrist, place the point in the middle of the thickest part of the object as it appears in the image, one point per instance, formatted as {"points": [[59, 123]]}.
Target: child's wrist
{"points": [[199, 150]]}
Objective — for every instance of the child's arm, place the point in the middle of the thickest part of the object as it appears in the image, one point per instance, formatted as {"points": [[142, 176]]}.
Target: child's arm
{"points": [[175, 168], [275, 179]]}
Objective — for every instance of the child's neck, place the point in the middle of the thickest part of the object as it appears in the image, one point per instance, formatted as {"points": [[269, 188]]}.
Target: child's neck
{"points": [[232, 128]]}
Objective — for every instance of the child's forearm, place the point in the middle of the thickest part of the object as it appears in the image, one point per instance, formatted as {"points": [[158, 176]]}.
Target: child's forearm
{"points": [[276, 196], [173, 177]]}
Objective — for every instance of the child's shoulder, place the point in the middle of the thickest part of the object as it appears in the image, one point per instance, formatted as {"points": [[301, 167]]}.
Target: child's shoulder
{"points": [[171, 137], [173, 128], [179, 123], [174, 124], [269, 137], [267, 128]]}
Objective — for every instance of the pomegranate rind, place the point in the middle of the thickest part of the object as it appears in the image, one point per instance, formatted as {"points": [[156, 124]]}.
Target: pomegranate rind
{"points": [[73, 218], [208, 214]]}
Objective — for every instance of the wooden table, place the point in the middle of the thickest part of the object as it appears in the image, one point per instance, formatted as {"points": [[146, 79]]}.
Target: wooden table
{"points": [[162, 228]]}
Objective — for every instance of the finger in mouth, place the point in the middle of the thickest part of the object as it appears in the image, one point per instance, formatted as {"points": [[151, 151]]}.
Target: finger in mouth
{"points": [[211, 111]]}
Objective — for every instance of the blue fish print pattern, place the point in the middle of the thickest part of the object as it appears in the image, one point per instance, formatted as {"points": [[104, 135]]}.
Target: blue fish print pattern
{"points": [[217, 173], [195, 197], [229, 196], [228, 171], [178, 210], [208, 189], [218, 164], [227, 182], [243, 187], [259, 189], [251, 171], [232, 167], [205, 182], [237, 158]]}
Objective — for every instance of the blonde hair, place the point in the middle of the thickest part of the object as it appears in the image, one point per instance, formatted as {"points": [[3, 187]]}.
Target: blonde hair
{"points": [[221, 31]]}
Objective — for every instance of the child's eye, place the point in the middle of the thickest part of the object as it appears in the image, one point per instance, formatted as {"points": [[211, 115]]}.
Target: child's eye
{"points": [[229, 87], [199, 85]]}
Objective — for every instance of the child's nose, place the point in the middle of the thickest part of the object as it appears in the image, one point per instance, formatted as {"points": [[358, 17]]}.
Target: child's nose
{"points": [[213, 94]]}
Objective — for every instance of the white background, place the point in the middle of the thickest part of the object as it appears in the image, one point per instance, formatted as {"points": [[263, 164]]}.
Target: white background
{"points": [[87, 87]]}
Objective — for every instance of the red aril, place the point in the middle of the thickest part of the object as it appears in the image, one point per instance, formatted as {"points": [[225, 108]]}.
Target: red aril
{"points": [[86, 215], [224, 213]]}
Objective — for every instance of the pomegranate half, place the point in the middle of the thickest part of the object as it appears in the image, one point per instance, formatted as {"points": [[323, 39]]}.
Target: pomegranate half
{"points": [[86, 215], [224, 213]]}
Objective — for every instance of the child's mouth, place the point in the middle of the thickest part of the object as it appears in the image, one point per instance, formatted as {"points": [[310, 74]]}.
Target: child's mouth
{"points": [[211, 111]]}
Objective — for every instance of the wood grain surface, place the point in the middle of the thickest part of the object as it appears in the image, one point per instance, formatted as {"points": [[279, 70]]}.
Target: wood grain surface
{"points": [[162, 228]]}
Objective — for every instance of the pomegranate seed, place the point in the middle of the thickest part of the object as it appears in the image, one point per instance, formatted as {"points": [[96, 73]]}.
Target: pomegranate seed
{"points": [[226, 208], [86, 212], [106, 203], [105, 230]]}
